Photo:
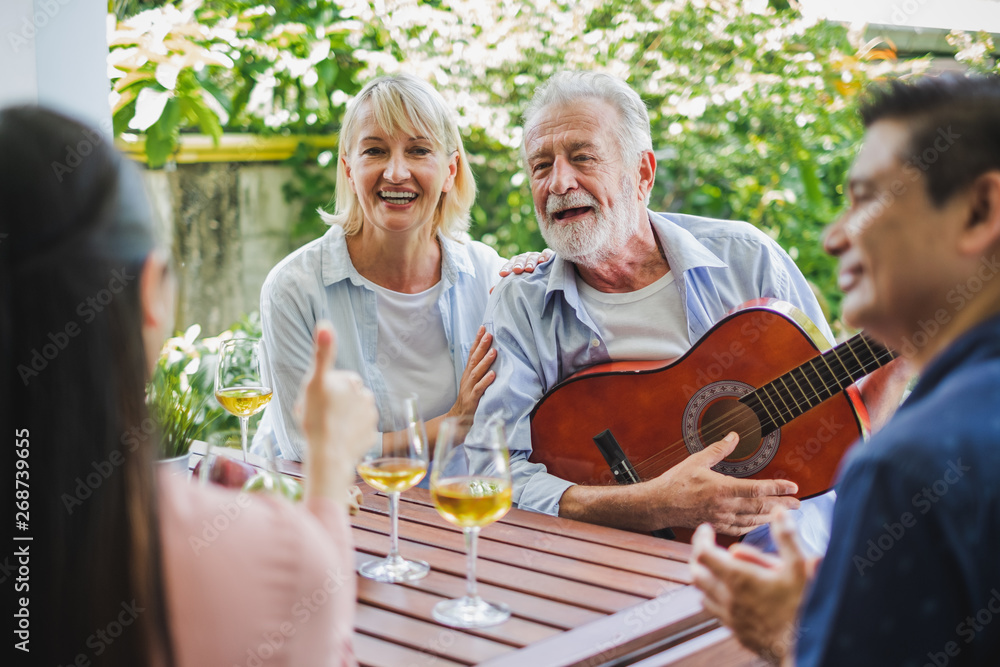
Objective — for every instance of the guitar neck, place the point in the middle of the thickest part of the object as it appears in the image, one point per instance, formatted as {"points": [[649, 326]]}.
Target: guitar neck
{"points": [[800, 389]]}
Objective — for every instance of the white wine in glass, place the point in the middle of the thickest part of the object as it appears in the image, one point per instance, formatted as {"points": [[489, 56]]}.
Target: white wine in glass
{"points": [[471, 487], [240, 384], [393, 466]]}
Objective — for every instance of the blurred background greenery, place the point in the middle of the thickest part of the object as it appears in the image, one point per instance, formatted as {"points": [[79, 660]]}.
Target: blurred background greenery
{"points": [[752, 105]]}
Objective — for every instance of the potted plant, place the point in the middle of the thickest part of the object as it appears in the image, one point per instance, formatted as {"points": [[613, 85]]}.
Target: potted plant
{"points": [[177, 413]]}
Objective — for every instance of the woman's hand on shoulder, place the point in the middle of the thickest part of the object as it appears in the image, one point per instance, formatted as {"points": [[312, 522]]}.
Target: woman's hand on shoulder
{"points": [[476, 377], [525, 262]]}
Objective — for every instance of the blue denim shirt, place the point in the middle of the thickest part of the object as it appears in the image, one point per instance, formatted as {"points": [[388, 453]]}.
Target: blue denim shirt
{"points": [[317, 282], [544, 334]]}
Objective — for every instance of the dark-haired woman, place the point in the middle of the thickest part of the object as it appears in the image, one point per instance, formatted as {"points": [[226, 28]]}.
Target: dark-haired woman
{"points": [[128, 566]]}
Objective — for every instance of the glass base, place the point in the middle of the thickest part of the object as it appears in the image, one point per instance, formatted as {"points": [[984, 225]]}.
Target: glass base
{"points": [[392, 570], [466, 612]]}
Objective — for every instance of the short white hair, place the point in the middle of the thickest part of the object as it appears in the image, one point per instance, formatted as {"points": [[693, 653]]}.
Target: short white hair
{"points": [[632, 131]]}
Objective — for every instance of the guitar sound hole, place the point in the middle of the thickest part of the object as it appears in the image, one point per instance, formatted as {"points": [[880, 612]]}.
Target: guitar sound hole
{"points": [[727, 415]]}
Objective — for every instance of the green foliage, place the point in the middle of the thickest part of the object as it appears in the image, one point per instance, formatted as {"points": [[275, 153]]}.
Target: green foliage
{"points": [[215, 65], [180, 414], [751, 106], [181, 395], [976, 50]]}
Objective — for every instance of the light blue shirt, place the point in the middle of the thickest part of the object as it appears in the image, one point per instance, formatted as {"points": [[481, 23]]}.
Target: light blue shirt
{"points": [[544, 333], [319, 282]]}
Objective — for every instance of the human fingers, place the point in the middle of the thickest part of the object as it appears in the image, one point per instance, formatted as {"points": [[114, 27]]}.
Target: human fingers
{"points": [[533, 259], [715, 591], [763, 488], [753, 555], [786, 538], [481, 358], [324, 348], [715, 452], [480, 334], [516, 264]]}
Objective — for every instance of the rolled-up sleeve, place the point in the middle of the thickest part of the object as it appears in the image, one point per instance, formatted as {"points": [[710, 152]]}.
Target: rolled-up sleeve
{"points": [[518, 386], [288, 348]]}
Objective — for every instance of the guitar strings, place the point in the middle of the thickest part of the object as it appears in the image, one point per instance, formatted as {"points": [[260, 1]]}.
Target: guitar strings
{"points": [[677, 454], [674, 453]]}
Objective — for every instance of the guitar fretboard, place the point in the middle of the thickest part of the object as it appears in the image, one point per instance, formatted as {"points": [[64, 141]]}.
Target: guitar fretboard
{"points": [[800, 389]]}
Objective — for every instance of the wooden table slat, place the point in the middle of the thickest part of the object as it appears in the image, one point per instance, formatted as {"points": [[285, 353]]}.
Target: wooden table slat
{"points": [[545, 569], [375, 652], [527, 561], [418, 603], [427, 637], [717, 648], [626, 540], [548, 542], [615, 636], [503, 576]]}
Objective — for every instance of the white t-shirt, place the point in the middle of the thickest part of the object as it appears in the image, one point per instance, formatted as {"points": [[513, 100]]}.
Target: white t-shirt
{"points": [[647, 324], [413, 349]]}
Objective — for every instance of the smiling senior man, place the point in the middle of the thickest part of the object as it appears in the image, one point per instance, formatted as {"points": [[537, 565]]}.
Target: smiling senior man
{"points": [[627, 284]]}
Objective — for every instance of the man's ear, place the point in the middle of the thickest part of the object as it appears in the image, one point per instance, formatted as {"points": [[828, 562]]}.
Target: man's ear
{"points": [[647, 174], [982, 232]]}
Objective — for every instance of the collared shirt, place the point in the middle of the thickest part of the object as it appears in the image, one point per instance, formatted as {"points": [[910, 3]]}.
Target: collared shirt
{"points": [[544, 334], [912, 575], [319, 282]]}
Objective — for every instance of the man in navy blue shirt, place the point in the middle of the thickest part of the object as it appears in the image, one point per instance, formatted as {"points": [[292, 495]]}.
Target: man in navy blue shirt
{"points": [[912, 573]]}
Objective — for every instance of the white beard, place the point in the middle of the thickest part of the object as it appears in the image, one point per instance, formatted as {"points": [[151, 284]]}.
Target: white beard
{"points": [[592, 241]]}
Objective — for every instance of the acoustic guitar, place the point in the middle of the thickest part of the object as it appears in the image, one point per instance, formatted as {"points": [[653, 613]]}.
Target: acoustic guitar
{"points": [[759, 372]]}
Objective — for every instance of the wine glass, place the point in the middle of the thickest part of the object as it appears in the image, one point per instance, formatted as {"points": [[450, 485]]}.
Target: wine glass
{"points": [[240, 385], [471, 487], [393, 466]]}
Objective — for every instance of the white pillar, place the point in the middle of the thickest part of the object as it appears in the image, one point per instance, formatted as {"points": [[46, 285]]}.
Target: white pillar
{"points": [[54, 53]]}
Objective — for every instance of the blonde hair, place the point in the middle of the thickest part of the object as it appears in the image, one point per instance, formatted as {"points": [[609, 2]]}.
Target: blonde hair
{"points": [[402, 102]]}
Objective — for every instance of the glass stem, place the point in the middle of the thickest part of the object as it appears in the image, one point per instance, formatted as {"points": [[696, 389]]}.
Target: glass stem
{"points": [[471, 533], [394, 526], [244, 425]]}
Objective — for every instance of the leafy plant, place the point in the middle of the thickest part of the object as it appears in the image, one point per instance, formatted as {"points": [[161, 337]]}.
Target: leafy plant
{"points": [[752, 105], [186, 368], [176, 412]]}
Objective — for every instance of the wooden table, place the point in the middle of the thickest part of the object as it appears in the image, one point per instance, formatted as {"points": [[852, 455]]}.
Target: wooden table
{"points": [[579, 594]]}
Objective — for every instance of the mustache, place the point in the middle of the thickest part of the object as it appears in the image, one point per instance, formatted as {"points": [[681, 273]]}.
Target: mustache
{"points": [[576, 199]]}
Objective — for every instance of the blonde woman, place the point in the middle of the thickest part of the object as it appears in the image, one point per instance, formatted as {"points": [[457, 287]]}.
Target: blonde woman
{"points": [[396, 273]]}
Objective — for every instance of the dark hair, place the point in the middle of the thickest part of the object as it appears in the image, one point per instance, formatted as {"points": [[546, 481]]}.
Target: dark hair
{"points": [[954, 125], [77, 231]]}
